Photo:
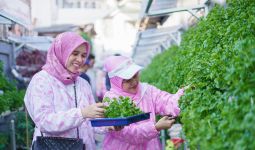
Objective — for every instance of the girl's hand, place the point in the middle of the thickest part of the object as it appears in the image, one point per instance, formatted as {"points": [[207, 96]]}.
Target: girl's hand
{"points": [[164, 123], [180, 92], [115, 128], [93, 111]]}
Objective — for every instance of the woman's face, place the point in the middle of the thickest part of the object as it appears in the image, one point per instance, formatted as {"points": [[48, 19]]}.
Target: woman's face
{"points": [[130, 85], [76, 59]]}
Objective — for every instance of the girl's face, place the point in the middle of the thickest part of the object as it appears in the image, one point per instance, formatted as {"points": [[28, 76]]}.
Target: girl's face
{"points": [[130, 85], [76, 59]]}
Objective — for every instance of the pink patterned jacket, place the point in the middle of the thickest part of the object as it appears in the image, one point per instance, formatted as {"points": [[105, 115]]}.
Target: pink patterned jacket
{"points": [[51, 105]]}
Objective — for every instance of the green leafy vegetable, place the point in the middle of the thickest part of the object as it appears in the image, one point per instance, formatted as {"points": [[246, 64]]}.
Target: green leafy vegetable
{"points": [[121, 107]]}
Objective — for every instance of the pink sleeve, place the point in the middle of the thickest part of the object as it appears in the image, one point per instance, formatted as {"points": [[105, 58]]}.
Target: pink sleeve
{"points": [[39, 102], [137, 133], [166, 103]]}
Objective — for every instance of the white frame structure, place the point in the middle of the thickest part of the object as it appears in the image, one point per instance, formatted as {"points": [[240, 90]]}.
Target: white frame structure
{"points": [[154, 41]]}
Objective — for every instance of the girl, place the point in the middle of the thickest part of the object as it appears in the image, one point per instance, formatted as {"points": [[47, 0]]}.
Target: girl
{"points": [[144, 135]]}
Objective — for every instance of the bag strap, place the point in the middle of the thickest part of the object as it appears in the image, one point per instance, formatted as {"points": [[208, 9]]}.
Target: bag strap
{"points": [[75, 97], [76, 106]]}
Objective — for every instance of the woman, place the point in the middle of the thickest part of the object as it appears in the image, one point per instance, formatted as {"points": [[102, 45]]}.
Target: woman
{"points": [[54, 92], [144, 135]]}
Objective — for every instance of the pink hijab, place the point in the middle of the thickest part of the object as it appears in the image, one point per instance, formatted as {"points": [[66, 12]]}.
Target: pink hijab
{"points": [[110, 64], [58, 54]]}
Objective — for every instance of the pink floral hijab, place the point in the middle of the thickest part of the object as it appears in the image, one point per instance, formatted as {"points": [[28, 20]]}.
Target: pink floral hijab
{"points": [[117, 64], [58, 55]]}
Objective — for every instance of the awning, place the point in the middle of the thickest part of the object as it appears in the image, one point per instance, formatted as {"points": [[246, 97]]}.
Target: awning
{"points": [[4, 20], [56, 28], [34, 42], [155, 8], [9, 19]]}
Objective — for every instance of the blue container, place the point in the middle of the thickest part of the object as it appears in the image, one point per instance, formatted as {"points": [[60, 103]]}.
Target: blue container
{"points": [[119, 121]]}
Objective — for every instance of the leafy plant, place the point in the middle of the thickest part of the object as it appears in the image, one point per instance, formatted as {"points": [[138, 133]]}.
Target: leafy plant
{"points": [[121, 107], [4, 140], [21, 127], [10, 99], [216, 57]]}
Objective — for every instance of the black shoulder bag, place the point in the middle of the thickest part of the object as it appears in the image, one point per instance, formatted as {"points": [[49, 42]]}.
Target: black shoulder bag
{"points": [[59, 143]]}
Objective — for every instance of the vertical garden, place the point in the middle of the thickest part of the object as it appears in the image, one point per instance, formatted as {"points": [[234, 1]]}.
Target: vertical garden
{"points": [[217, 59]]}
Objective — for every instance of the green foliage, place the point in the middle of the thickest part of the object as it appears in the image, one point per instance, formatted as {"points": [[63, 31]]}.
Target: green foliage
{"points": [[5, 85], [169, 145], [87, 38], [10, 99], [217, 58], [121, 107], [4, 140], [21, 127]]}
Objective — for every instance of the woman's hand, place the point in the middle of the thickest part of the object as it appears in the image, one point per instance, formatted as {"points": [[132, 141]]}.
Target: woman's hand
{"points": [[164, 123], [115, 128], [93, 111]]}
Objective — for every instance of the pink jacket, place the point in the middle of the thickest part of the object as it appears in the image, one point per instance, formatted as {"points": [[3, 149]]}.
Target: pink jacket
{"points": [[51, 105], [143, 135]]}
